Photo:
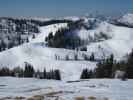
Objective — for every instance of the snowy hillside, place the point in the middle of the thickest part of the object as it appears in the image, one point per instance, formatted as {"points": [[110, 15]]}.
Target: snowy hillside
{"points": [[45, 30], [41, 57], [101, 38], [127, 19], [119, 42]]}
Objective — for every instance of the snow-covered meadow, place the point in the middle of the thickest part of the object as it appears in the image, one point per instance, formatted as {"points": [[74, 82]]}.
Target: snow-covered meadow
{"points": [[101, 89]]}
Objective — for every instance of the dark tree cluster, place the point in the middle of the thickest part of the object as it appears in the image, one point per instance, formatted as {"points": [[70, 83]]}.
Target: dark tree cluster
{"points": [[6, 72], [104, 68], [87, 74], [53, 21], [62, 39], [108, 67], [15, 32], [76, 24], [89, 58], [52, 74], [66, 37], [29, 72], [129, 69]]}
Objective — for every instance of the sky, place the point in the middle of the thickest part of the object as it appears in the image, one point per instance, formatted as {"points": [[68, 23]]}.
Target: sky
{"points": [[56, 8]]}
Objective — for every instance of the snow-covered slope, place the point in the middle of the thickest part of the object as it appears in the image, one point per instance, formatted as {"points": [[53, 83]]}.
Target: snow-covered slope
{"points": [[119, 42], [127, 19], [42, 57], [103, 40], [45, 30], [36, 53]]}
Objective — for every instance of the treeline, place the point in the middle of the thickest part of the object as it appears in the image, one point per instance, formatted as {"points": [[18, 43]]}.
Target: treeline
{"points": [[29, 72], [76, 57], [119, 23], [8, 43], [109, 68], [52, 21], [35, 21]]}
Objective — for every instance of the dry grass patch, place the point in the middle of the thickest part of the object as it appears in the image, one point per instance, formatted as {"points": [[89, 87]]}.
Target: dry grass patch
{"points": [[91, 98], [53, 93], [30, 98], [19, 98], [79, 98], [37, 97]]}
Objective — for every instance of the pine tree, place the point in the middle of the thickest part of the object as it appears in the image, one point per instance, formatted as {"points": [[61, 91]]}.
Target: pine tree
{"points": [[33, 36], [57, 75], [3, 45], [48, 75], [44, 74], [19, 71], [100, 71], [67, 57], [86, 57], [27, 40], [84, 74], [52, 74], [90, 74], [29, 70], [92, 57], [75, 57], [130, 66]]}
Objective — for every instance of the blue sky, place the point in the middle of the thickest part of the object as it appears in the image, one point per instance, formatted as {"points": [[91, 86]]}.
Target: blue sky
{"points": [[55, 8]]}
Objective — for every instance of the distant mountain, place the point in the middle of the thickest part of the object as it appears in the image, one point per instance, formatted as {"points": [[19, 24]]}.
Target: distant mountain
{"points": [[126, 21]]}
